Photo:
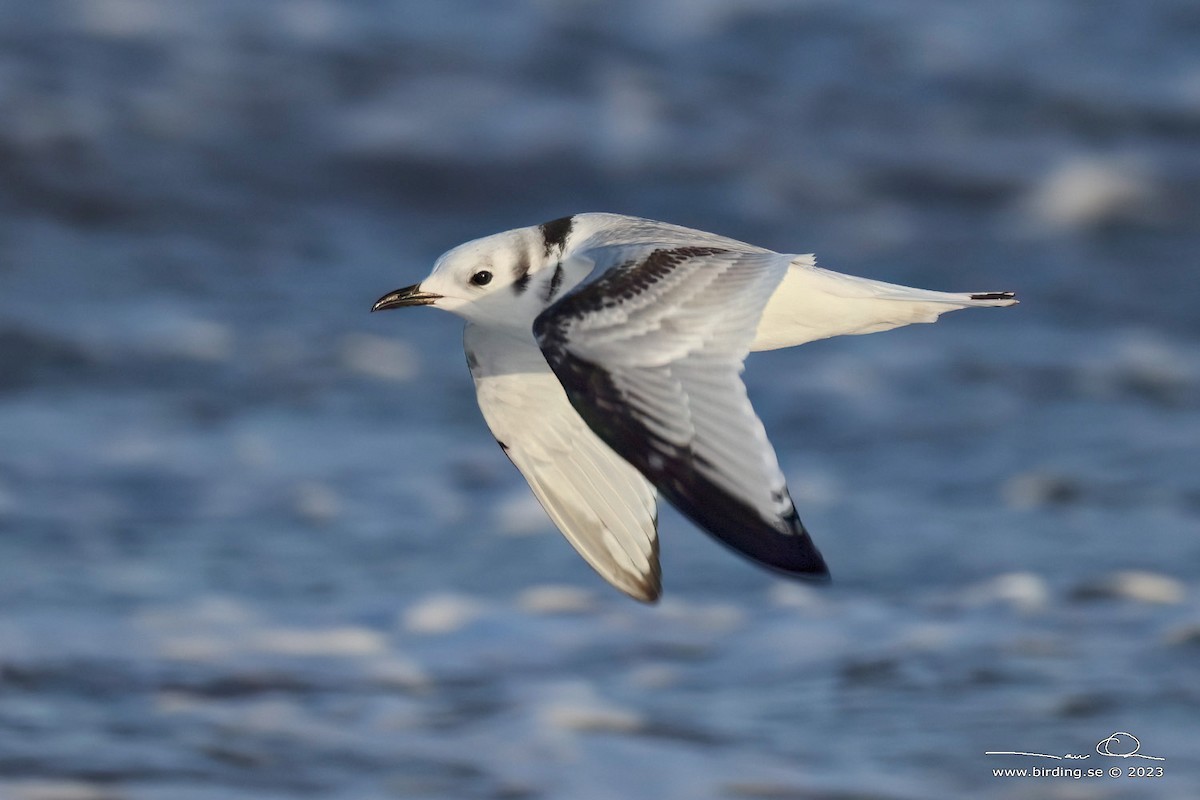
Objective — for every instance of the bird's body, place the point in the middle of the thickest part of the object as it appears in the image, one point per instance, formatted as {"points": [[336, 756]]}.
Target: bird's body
{"points": [[601, 391]]}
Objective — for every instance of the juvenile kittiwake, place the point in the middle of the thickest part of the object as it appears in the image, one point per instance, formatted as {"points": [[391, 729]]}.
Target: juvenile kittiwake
{"points": [[601, 392]]}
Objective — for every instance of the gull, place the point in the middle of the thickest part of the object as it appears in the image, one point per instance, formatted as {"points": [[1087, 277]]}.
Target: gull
{"points": [[607, 354]]}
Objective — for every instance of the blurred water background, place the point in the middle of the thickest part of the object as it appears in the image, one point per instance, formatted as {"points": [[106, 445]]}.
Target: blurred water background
{"points": [[256, 543]]}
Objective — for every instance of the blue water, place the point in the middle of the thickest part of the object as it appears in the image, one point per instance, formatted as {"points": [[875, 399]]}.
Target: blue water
{"points": [[257, 543]]}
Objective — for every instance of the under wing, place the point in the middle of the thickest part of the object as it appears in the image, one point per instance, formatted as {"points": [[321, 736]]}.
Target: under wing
{"points": [[651, 355], [603, 506]]}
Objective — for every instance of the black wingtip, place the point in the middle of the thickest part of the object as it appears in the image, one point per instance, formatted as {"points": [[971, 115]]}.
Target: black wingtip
{"points": [[792, 555], [799, 558], [994, 296], [820, 575]]}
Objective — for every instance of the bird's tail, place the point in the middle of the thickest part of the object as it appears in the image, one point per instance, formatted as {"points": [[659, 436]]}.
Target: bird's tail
{"points": [[814, 303]]}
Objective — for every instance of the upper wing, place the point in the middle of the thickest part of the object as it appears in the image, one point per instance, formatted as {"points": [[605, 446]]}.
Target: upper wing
{"points": [[600, 503], [651, 354]]}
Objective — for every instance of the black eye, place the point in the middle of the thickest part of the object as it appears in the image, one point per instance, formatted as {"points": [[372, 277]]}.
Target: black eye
{"points": [[481, 278]]}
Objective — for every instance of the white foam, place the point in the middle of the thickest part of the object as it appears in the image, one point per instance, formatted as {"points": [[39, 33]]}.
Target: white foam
{"points": [[716, 617], [317, 502], [556, 600], [340, 641], [1034, 489], [441, 613], [575, 706], [1086, 192], [1136, 585], [789, 594], [397, 672], [1023, 591]]}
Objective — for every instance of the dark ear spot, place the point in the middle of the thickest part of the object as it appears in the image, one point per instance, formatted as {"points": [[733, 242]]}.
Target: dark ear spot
{"points": [[521, 274]]}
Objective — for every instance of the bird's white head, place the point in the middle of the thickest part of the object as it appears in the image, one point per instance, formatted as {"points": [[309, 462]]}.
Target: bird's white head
{"points": [[500, 281]]}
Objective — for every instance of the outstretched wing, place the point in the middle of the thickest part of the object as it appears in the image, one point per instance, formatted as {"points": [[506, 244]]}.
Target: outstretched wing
{"points": [[602, 505], [651, 356]]}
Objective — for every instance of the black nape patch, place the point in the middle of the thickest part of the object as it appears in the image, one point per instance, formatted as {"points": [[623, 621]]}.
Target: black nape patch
{"points": [[555, 232]]}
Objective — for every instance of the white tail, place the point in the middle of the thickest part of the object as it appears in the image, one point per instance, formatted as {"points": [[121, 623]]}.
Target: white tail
{"points": [[814, 303]]}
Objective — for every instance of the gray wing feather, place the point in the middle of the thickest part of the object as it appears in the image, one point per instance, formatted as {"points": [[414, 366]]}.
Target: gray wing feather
{"points": [[651, 355]]}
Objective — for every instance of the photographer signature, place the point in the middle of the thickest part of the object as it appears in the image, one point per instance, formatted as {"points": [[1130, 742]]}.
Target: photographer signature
{"points": [[1120, 744]]}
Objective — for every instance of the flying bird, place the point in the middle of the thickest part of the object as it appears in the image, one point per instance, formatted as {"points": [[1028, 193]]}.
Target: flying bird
{"points": [[605, 392]]}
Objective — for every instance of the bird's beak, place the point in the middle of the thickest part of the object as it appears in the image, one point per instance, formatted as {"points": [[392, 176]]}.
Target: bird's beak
{"points": [[408, 296]]}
